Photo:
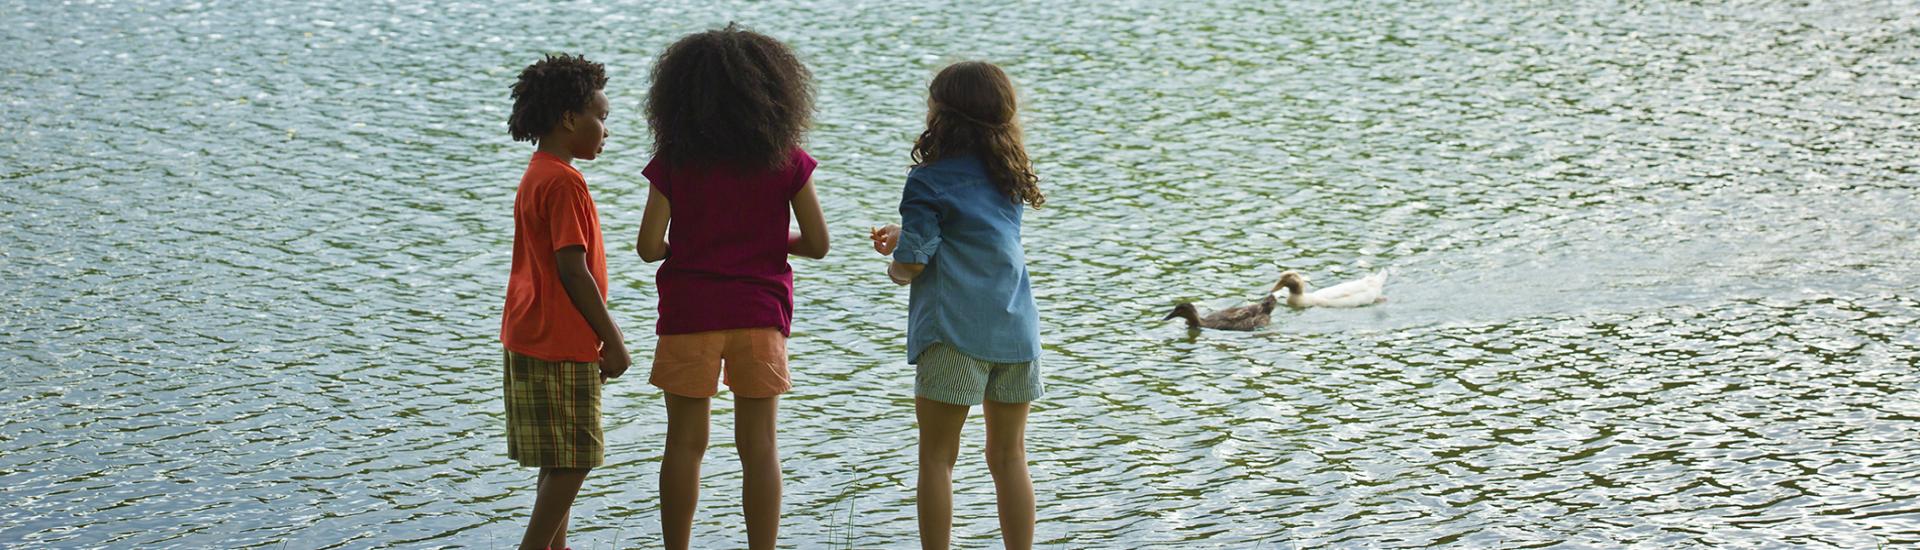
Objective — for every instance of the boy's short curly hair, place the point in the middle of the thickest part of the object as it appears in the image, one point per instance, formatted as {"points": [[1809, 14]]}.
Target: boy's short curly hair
{"points": [[729, 96], [549, 89]]}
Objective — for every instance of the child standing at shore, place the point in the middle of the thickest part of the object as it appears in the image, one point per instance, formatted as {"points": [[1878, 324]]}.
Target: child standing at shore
{"points": [[972, 327], [561, 344], [727, 110]]}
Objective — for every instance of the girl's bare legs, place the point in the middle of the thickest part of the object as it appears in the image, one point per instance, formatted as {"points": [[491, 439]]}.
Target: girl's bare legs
{"points": [[1007, 459], [552, 501], [680, 468], [940, 425], [754, 436]]}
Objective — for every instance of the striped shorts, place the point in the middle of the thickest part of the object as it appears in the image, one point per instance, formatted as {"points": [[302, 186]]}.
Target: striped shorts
{"points": [[946, 375], [553, 413]]}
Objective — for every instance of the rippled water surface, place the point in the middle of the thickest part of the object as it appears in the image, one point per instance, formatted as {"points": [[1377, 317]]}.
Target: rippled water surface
{"points": [[1654, 273]]}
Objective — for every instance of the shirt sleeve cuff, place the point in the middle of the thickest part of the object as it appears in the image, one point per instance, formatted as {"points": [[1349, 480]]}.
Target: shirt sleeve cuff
{"points": [[913, 250]]}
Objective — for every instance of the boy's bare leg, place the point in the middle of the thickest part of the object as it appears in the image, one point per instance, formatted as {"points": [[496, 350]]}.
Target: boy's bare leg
{"points": [[754, 436], [551, 504], [560, 536], [1007, 459], [680, 468], [940, 425]]}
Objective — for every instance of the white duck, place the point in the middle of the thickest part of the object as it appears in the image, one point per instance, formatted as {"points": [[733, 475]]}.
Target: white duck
{"points": [[1367, 291]]}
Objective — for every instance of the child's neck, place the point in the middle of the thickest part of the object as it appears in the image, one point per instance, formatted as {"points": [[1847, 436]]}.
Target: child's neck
{"points": [[556, 145]]}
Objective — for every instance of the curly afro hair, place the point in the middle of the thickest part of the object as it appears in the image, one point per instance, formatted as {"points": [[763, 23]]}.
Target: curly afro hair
{"points": [[549, 89], [729, 97]]}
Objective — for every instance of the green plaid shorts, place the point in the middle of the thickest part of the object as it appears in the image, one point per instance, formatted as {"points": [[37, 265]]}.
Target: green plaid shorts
{"points": [[553, 413]]}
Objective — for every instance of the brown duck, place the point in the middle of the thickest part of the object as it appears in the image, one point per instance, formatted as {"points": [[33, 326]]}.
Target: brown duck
{"points": [[1247, 317]]}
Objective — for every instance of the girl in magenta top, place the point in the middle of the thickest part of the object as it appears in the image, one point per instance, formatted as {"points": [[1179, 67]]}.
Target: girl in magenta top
{"points": [[726, 250], [727, 111]]}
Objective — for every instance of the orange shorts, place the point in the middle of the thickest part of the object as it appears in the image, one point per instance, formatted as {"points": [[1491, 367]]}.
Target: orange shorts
{"points": [[689, 365]]}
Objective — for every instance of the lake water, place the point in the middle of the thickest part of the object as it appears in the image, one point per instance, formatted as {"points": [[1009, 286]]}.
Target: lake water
{"points": [[1656, 280]]}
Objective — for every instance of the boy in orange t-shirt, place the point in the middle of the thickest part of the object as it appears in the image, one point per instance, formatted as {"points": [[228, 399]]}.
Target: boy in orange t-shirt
{"points": [[561, 344]]}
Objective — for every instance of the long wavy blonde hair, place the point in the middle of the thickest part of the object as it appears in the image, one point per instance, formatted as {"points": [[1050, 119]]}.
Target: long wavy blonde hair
{"points": [[972, 109]]}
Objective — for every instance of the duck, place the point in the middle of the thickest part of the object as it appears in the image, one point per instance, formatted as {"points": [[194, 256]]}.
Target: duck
{"points": [[1246, 317], [1363, 292]]}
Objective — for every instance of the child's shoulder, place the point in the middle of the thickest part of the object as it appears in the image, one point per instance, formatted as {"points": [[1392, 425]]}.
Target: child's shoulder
{"points": [[801, 163], [552, 172], [546, 183], [800, 155], [961, 166]]}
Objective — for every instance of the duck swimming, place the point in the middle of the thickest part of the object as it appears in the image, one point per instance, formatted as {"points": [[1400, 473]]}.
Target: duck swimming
{"points": [[1247, 317], [1366, 291]]}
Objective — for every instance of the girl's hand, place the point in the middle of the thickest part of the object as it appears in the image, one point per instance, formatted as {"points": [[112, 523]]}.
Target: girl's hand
{"points": [[885, 239]]}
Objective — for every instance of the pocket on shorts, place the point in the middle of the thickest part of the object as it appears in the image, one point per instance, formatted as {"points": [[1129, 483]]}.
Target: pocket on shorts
{"points": [[686, 349]]}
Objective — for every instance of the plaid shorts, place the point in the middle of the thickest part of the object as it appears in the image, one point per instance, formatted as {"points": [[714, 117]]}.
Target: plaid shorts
{"points": [[553, 413]]}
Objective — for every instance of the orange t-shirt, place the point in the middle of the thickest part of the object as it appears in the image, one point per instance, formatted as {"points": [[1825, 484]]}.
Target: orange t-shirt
{"points": [[552, 210]]}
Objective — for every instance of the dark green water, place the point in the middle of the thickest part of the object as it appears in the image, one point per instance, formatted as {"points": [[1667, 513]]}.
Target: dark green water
{"points": [[1655, 273]]}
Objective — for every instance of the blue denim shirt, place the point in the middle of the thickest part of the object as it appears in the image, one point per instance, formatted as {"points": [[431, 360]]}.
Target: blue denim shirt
{"points": [[973, 294]]}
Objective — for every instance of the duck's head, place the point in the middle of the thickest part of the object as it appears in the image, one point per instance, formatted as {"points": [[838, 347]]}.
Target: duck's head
{"points": [[1292, 281], [1186, 311]]}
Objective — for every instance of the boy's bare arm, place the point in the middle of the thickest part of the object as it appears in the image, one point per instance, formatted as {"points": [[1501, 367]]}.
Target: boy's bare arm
{"points": [[584, 291]]}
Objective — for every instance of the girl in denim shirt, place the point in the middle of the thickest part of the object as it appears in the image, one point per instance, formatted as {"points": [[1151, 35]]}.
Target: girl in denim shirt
{"points": [[972, 329]]}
